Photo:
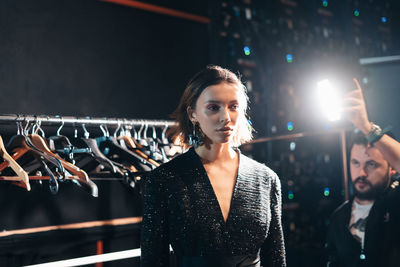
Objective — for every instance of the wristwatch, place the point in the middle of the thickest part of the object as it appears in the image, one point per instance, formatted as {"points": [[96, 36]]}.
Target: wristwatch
{"points": [[376, 133]]}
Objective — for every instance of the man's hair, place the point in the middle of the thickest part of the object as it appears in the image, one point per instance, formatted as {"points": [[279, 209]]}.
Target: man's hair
{"points": [[359, 138]]}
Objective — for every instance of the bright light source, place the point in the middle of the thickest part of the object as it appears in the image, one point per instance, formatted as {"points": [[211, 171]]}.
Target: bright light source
{"points": [[290, 195], [325, 3], [356, 12], [383, 19], [329, 100]]}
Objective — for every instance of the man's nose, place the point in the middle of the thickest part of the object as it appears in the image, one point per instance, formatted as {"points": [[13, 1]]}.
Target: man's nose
{"points": [[362, 172]]}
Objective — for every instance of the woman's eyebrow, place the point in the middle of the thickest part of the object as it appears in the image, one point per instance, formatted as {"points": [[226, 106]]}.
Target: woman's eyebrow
{"points": [[218, 102]]}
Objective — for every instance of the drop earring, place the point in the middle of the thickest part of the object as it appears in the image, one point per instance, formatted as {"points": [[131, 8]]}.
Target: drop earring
{"points": [[195, 139]]}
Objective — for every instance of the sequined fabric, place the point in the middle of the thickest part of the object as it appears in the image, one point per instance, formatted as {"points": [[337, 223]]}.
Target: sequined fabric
{"points": [[181, 209]]}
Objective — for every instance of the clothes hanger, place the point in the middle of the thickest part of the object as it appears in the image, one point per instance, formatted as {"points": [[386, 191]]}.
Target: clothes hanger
{"points": [[95, 154], [155, 152], [142, 141], [128, 139], [112, 149], [38, 157], [163, 144], [130, 145], [21, 143], [22, 177], [83, 179]]}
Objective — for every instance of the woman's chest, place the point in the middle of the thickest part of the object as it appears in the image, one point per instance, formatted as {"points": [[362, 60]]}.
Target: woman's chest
{"points": [[195, 204]]}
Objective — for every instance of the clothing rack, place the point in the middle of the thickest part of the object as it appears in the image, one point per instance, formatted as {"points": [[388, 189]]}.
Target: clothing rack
{"points": [[71, 120], [97, 221]]}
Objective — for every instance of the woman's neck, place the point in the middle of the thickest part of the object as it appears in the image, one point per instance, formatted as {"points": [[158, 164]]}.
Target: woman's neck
{"points": [[216, 152]]}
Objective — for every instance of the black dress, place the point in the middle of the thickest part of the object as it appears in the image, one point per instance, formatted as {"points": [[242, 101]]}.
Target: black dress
{"points": [[181, 209]]}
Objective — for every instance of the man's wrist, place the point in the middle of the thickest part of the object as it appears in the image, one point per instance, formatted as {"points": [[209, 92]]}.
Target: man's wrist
{"points": [[375, 133], [366, 128]]}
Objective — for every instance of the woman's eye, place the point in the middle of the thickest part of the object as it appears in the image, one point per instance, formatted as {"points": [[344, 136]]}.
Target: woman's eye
{"points": [[235, 107], [213, 107]]}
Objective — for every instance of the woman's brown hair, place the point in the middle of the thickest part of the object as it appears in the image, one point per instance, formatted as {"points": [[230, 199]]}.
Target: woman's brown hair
{"points": [[211, 75]]}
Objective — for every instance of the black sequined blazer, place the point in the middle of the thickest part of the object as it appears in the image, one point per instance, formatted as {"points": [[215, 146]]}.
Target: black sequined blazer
{"points": [[181, 209]]}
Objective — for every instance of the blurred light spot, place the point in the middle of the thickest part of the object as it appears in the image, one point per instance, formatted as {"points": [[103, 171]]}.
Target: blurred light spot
{"points": [[290, 194], [383, 19], [274, 129], [292, 146], [325, 3], [356, 12], [236, 10], [246, 50], [289, 58], [365, 80], [290, 126], [327, 191]]}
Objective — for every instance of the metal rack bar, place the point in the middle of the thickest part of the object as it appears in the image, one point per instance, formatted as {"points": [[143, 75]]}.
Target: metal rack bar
{"points": [[70, 120]]}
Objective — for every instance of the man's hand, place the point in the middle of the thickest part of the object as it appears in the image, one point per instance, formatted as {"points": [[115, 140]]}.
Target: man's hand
{"points": [[355, 109]]}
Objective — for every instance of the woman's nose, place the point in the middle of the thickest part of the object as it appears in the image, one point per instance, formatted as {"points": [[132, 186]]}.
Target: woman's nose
{"points": [[225, 116]]}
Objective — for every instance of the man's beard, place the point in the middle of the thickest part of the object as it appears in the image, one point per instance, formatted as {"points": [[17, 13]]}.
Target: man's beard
{"points": [[374, 190]]}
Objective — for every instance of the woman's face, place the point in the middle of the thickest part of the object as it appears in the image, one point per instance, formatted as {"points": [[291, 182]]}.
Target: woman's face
{"points": [[218, 111]]}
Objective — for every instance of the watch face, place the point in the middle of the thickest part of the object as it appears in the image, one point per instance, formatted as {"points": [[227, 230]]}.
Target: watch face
{"points": [[376, 128]]}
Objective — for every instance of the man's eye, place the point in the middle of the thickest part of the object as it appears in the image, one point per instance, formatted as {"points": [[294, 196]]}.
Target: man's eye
{"points": [[355, 163], [372, 164]]}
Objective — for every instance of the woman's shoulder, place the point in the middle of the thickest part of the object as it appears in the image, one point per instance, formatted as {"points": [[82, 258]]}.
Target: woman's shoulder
{"points": [[257, 168], [179, 163]]}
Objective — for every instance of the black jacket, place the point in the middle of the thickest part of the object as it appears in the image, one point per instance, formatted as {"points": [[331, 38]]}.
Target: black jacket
{"points": [[382, 234], [181, 209]]}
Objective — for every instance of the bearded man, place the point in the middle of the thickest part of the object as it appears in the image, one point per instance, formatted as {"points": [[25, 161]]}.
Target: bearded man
{"points": [[365, 230]]}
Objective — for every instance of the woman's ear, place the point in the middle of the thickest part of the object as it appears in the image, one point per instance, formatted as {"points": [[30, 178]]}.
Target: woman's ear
{"points": [[191, 114]]}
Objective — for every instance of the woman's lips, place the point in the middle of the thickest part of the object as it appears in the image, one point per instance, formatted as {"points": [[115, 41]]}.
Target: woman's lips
{"points": [[225, 129]]}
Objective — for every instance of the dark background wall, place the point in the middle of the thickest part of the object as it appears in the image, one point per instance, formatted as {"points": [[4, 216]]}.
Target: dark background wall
{"points": [[92, 58], [382, 93]]}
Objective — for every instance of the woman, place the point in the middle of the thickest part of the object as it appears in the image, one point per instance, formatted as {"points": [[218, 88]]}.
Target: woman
{"points": [[215, 206]]}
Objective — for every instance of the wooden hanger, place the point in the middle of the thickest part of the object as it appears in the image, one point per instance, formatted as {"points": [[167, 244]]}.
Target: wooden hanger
{"points": [[22, 176], [83, 178]]}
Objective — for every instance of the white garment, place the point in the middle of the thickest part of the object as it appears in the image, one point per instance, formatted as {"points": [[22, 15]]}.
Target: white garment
{"points": [[358, 221]]}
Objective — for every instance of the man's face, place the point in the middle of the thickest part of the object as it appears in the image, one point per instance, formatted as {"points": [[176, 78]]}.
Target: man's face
{"points": [[369, 171]]}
